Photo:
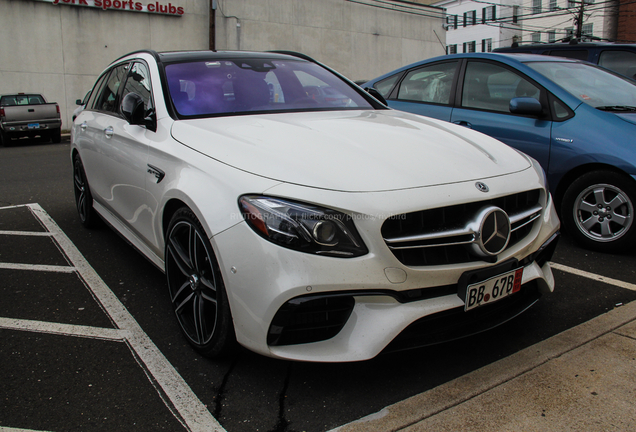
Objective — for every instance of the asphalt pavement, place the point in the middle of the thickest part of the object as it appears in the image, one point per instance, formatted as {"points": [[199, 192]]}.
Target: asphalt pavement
{"points": [[583, 379], [74, 358]]}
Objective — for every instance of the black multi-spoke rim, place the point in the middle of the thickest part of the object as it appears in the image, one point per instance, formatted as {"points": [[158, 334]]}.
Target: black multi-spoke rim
{"points": [[192, 282], [80, 191]]}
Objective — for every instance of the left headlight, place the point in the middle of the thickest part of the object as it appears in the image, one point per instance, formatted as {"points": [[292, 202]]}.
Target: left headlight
{"points": [[303, 227]]}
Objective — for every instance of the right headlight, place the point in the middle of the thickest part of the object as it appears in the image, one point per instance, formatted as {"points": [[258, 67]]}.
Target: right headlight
{"points": [[303, 227]]}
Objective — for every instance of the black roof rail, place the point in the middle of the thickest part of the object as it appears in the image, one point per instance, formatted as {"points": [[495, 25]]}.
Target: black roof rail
{"points": [[147, 51], [295, 54]]}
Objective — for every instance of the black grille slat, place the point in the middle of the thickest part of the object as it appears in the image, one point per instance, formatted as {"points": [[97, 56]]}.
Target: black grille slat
{"points": [[448, 218]]}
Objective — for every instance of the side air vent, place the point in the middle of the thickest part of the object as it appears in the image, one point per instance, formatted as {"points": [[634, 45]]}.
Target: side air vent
{"points": [[309, 319]]}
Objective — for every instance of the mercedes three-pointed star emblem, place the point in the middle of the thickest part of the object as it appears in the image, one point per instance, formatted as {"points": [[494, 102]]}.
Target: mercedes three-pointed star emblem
{"points": [[494, 231]]}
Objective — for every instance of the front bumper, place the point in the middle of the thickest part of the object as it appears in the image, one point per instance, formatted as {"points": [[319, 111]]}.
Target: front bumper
{"points": [[263, 279]]}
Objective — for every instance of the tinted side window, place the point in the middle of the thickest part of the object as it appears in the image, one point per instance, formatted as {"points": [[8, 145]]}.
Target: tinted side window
{"points": [[429, 84], [574, 54], [386, 85], [108, 98], [490, 87], [138, 82], [622, 62], [96, 91]]}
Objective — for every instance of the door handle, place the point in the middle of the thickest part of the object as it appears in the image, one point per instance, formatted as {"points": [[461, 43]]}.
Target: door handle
{"points": [[463, 123], [108, 132], [83, 126]]}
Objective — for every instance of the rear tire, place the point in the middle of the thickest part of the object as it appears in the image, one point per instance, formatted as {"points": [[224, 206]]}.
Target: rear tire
{"points": [[56, 136], [83, 198], [598, 211], [4, 139], [196, 287]]}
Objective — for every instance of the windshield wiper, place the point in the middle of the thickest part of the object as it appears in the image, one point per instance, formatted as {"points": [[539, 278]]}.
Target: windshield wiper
{"points": [[624, 108]]}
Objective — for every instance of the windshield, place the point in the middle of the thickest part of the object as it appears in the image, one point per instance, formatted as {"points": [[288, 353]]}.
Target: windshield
{"points": [[221, 87], [21, 100], [590, 84]]}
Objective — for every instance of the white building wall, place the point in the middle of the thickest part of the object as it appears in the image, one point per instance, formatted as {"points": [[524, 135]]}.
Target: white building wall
{"points": [[59, 50], [359, 40], [501, 31], [601, 15]]}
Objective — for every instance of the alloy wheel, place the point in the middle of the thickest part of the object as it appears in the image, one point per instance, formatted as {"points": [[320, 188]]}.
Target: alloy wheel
{"points": [[603, 212], [192, 282]]}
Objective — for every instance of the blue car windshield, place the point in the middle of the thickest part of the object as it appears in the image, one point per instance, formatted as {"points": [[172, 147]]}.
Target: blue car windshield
{"points": [[231, 86], [590, 84]]}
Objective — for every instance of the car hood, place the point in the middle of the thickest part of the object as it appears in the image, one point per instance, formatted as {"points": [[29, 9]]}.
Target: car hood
{"points": [[628, 117], [353, 151]]}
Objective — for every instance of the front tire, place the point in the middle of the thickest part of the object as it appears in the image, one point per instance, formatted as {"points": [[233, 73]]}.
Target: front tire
{"points": [[196, 287], [598, 211]]}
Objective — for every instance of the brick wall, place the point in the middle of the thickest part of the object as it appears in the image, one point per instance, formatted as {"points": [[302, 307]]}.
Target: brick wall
{"points": [[626, 21]]}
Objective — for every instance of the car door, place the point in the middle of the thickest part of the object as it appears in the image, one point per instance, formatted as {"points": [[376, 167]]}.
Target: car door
{"points": [[426, 90], [116, 158], [483, 101]]}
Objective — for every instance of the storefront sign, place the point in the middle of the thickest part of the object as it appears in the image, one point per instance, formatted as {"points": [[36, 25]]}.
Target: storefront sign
{"points": [[146, 6]]}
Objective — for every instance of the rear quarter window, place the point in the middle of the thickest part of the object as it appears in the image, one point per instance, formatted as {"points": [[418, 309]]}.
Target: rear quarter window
{"points": [[622, 62]]}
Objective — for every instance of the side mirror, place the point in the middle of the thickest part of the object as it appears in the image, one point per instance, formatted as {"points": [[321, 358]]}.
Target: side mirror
{"points": [[132, 107], [376, 94], [525, 106], [78, 102], [150, 121]]}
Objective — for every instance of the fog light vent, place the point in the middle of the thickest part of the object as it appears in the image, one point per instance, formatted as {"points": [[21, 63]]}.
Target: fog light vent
{"points": [[309, 319]]}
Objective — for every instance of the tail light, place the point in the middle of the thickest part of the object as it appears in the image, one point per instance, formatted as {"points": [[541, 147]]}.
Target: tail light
{"points": [[2, 112], [57, 107]]}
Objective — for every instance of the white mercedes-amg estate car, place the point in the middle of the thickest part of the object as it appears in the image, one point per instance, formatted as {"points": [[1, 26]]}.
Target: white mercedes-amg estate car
{"points": [[296, 215]]}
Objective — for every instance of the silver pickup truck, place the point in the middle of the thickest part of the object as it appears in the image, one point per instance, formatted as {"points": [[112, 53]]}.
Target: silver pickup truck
{"points": [[29, 115]]}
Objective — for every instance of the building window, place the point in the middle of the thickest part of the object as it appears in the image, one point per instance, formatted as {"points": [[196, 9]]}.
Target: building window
{"points": [[470, 18], [536, 6], [553, 5], [486, 45], [469, 47], [569, 32], [551, 36], [515, 14], [451, 49], [488, 14], [536, 37], [572, 4], [451, 21], [587, 32]]}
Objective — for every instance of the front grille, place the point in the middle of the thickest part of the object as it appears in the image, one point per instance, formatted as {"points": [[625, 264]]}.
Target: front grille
{"points": [[310, 319], [443, 235]]}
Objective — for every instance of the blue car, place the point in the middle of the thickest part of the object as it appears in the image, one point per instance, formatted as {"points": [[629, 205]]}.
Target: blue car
{"points": [[577, 119]]}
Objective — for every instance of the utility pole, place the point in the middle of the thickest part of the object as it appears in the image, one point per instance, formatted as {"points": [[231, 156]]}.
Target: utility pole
{"points": [[579, 21], [212, 29]]}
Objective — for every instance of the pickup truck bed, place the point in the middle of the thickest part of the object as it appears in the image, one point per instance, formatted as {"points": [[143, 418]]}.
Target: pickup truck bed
{"points": [[29, 115]]}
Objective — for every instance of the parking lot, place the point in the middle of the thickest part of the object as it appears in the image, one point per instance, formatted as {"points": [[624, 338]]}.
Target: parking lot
{"points": [[89, 341]]}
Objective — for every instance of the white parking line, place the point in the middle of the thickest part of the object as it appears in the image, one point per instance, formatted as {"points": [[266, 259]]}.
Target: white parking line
{"points": [[64, 329], [25, 233], [593, 276], [193, 414], [37, 267], [8, 429]]}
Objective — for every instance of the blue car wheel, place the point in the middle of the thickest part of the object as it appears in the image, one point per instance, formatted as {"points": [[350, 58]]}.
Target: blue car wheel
{"points": [[598, 211]]}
